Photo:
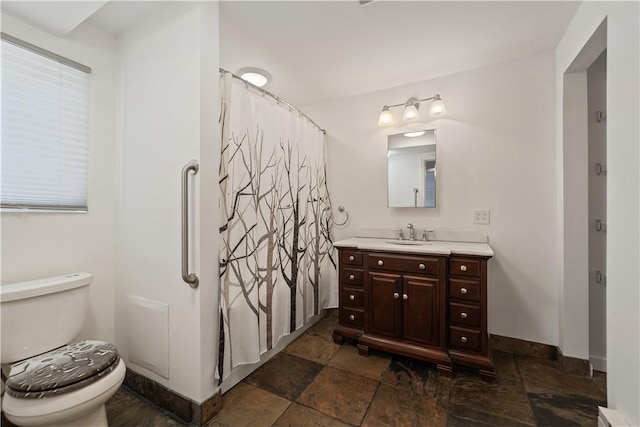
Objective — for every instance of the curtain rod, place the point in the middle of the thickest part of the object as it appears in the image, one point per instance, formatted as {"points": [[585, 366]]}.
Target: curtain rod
{"points": [[277, 98]]}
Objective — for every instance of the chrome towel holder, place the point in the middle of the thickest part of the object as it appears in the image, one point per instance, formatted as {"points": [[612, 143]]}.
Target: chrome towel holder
{"points": [[342, 209]]}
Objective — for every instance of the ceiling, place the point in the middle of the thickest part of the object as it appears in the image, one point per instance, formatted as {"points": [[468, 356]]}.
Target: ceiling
{"points": [[324, 50]]}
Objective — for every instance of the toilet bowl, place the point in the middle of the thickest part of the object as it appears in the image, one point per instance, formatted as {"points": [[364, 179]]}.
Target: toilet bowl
{"points": [[50, 382]]}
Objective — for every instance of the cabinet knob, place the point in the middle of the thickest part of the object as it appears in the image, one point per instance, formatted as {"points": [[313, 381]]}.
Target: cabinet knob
{"points": [[380, 262], [351, 258], [353, 297], [463, 268], [405, 296], [352, 317], [464, 340], [422, 266], [463, 314], [463, 291], [352, 277], [396, 295]]}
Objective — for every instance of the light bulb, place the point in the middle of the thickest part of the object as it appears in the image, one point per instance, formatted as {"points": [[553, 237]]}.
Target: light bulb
{"points": [[410, 112], [385, 118], [415, 134], [255, 76], [437, 107]]}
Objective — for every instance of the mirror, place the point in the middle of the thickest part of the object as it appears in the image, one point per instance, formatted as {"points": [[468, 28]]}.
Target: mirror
{"points": [[412, 169]]}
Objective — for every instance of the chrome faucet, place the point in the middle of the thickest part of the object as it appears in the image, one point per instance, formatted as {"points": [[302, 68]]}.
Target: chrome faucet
{"points": [[400, 236], [412, 232]]}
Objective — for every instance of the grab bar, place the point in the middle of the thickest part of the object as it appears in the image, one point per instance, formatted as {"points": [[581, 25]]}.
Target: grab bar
{"points": [[190, 278]]}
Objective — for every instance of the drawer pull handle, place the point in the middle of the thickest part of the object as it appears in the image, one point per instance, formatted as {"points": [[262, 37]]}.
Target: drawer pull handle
{"points": [[351, 258], [463, 268], [396, 295], [463, 314], [405, 296], [352, 277], [353, 297], [464, 340], [422, 266], [463, 291], [380, 262], [352, 317]]}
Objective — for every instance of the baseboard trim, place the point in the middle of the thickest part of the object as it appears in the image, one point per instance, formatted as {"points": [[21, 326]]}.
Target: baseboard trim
{"points": [[167, 399], [599, 363], [571, 365]]}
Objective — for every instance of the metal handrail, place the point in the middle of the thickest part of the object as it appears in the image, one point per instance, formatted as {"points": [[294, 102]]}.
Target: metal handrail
{"points": [[190, 278]]}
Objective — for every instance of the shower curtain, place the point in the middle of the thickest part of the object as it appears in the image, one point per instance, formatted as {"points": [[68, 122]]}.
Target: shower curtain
{"points": [[277, 261]]}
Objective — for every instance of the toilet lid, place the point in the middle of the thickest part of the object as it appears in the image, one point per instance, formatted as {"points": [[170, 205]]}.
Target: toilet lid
{"points": [[63, 370]]}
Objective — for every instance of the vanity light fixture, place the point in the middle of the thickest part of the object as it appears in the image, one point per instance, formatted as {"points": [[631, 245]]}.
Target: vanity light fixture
{"points": [[411, 108], [255, 76]]}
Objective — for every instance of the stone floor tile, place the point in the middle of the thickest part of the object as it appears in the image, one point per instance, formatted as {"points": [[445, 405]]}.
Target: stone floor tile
{"points": [[285, 375], [405, 372], [503, 398], [301, 416], [127, 409], [462, 416], [506, 366], [348, 359], [340, 394], [570, 410], [324, 327], [246, 405], [313, 347], [542, 377], [600, 378], [392, 406]]}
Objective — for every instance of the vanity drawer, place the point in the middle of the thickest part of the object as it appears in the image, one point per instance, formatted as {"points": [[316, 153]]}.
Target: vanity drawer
{"points": [[351, 258], [464, 267], [352, 297], [351, 277], [404, 263], [468, 290], [351, 317], [464, 314], [463, 338]]}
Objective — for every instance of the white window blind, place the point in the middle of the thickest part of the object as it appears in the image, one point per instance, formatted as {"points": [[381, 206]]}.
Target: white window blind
{"points": [[44, 148]]}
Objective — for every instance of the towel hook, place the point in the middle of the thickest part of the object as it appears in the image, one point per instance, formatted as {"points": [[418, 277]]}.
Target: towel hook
{"points": [[342, 209]]}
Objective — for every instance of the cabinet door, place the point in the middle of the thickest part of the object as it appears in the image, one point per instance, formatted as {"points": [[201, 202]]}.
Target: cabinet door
{"points": [[385, 304], [420, 308]]}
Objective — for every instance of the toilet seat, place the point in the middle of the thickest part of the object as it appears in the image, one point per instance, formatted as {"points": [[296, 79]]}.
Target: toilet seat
{"points": [[61, 371], [54, 410]]}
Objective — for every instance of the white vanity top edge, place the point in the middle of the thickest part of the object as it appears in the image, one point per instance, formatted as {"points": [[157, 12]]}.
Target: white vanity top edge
{"points": [[430, 247]]}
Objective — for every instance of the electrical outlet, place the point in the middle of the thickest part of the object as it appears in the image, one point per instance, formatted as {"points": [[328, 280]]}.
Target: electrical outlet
{"points": [[481, 216]]}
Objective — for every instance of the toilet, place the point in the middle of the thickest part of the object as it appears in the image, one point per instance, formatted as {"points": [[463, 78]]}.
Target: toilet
{"points": [[47, 379]]}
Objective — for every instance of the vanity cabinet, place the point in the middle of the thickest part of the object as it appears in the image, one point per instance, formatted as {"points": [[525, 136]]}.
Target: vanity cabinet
{"points": [[429, 307], [467, 314]]}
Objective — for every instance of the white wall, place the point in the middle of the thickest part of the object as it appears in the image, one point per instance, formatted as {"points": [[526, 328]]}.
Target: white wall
{"points": [[623, 188], [495, 150], [38, 245], [597, 101], [169, 88]]}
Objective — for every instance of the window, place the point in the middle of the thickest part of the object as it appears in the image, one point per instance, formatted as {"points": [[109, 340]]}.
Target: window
{"points": [[44, 148]]}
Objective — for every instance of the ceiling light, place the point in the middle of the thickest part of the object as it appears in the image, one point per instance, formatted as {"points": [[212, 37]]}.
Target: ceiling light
{"points": [[385, 118], [414, 134], [411, 110], [255, 76]]}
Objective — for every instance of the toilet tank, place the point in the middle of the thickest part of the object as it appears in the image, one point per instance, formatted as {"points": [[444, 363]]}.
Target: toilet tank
{"points": [[41, 315]]}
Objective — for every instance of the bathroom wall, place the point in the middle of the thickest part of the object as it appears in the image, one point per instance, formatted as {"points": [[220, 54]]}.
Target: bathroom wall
{"points": [[495, 150], [168, 116], [38, 245], [623, 187]]}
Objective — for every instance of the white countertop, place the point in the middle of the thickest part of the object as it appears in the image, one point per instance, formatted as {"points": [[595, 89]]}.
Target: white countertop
{"points": [[431, 247]]}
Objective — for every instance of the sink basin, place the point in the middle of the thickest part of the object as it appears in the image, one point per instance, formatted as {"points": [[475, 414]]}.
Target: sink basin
{"points": [[408, 242]]}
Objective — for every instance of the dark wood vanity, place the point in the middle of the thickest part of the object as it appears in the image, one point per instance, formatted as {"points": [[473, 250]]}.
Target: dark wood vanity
{"points": [[425, 306]]}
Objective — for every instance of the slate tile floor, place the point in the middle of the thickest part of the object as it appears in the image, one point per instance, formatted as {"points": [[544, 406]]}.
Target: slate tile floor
{"points": [[315, 382]]}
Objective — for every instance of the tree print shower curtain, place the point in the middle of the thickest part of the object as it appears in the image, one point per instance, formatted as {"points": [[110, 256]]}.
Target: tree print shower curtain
{"points": [[277, 261]]}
